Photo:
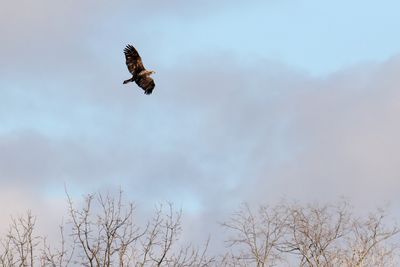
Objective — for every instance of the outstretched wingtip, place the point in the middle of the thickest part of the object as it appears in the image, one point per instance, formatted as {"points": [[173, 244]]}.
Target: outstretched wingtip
{"points": [[131, 50], [129, 47]]}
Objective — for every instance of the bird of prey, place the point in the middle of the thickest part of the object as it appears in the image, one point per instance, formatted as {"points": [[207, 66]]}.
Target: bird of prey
{"points": [[140, 75]]}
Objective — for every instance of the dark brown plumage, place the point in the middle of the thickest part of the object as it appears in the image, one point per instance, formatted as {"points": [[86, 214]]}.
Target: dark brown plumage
{"points": [[140, 75]]}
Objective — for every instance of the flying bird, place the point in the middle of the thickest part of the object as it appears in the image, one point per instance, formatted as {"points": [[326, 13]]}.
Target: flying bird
{"points": [[140, 75]]}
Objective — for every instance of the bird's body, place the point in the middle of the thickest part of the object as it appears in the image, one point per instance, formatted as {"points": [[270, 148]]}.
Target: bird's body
{"points": [[140, 75]]}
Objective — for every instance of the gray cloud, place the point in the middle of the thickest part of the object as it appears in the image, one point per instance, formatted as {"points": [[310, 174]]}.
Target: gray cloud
{"points": [[223, 133], [210, 138]]}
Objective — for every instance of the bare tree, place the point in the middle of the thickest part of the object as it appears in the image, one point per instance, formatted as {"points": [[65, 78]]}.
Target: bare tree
{"points": [[257, 237], [190, 256], [315, 235], [106, 234], [366, 242], [104, 238], [6, 254], [103, 231], [58, 257], [162, 232], [20, 243]]}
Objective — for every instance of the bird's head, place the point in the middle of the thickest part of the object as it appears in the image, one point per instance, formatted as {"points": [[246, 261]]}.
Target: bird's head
{"points": [[151, 72]]}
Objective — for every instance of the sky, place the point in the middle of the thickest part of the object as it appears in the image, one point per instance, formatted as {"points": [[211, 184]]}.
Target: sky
{"points": [[254, 102]]}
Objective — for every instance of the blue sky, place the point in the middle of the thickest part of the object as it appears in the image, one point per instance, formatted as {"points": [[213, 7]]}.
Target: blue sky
{"points": [[254, 102], [318, 36]]}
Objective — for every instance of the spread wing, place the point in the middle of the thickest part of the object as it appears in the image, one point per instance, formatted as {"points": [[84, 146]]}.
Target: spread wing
{"points": [[146, 83], [133, 60]]}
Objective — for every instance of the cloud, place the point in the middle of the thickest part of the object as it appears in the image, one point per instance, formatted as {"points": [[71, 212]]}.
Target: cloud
{"points": [[230, 132], [209, 137]]}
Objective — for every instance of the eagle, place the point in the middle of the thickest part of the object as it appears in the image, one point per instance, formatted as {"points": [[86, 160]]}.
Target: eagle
{"points": [[140, 75]]}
